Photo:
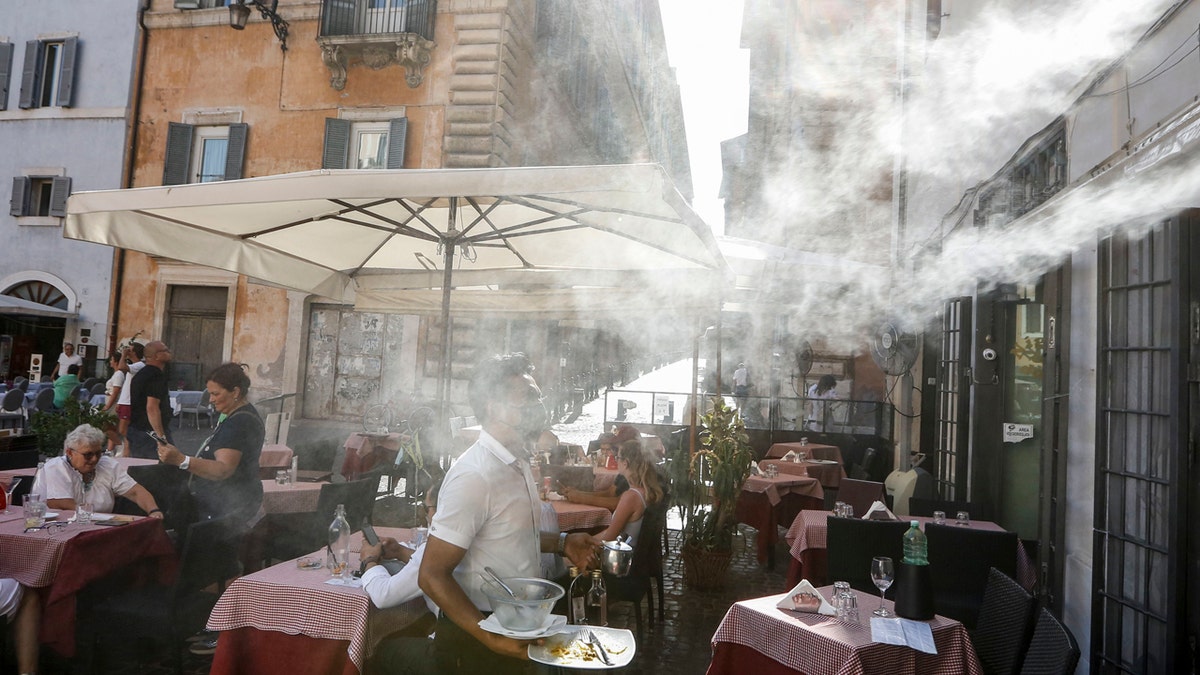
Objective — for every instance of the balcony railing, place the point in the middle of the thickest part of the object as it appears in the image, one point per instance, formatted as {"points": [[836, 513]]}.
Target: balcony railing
{"points": [[378, 17]]}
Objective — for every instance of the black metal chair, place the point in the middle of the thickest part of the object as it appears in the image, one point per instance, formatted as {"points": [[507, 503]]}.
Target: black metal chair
{"points": [[299, 534], [23, 488], [210, 553], [959, 562], [860, 494], [21, 383], [91, 382], [12, 409], [18, 459], [851, 543], [918, 506], [97, 389], [1005, 620], [1052, 650], [44, 401], [647, 564]]}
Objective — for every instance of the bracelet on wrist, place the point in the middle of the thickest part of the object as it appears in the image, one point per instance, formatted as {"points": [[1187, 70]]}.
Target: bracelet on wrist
{"points": [[562, 543], [153, 511]]}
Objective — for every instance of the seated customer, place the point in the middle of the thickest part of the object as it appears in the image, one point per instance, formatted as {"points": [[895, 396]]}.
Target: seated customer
{"points": [[64, 385], [19, 606], [393, 590], [644, 491], [609, 496], [83, 471]]}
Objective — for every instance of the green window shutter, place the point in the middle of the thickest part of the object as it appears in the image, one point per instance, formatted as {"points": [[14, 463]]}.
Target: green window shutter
{"points": [[66, 76], [337, 144], [29, 74], [235, 156], [179, 154], [60, 189], [20, 195], [397, 137], [6, 57]]}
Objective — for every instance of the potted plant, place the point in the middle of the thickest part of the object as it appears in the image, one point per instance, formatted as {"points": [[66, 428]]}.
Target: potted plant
{"points": [[707, 486], [52, 427]]}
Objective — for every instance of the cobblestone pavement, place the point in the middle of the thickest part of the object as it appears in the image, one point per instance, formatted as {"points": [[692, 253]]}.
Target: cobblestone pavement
{"points": [[680, 644]]}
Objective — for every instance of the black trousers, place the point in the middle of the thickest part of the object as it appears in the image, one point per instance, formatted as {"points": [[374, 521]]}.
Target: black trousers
{"points": [[141, 445], [457, 652]]}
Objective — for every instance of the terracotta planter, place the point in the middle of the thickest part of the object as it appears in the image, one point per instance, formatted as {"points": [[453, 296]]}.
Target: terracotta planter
{"points": [[704, 569]]}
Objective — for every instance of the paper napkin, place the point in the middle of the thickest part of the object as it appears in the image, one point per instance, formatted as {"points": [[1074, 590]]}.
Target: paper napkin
{"points": [[879, 511], [805, 598], [790, 456]]}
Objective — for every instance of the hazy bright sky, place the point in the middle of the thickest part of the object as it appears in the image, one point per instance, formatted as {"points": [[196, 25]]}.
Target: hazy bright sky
{"points": [[712, 70]]}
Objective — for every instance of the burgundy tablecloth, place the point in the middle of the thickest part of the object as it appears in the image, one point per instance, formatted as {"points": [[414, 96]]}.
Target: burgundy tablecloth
{"points": [[814, 450], [766, 503], [580, 516], [807, 539], [829, 474], [62, 561], [757, 637], [365, 451], [288, 620]]}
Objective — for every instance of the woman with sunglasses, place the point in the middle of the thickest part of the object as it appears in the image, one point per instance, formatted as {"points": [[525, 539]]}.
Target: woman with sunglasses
{"points": [[83, 472], [644, 491]]}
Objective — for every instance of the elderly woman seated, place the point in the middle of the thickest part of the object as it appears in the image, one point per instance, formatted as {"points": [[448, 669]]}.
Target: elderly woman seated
{"points": [[84, 473]]}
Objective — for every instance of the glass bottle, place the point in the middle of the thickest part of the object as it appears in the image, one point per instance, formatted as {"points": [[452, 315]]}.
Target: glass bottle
{"points": [[597, 601], [577, 598], [337, 554], [916, 546]]}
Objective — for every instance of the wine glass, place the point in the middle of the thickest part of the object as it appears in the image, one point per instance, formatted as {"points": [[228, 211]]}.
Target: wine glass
{"points": [[8, 494], [882, 573]]}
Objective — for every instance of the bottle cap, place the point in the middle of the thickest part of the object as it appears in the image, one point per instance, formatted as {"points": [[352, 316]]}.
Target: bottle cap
{"points": [[914, 523]]}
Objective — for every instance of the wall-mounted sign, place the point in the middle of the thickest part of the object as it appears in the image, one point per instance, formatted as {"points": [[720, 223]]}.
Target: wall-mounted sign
{"points": [[1015, 433]]}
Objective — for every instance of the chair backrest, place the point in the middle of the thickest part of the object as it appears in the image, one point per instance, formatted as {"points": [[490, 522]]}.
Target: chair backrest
{"points": [[21, 383], [210, 555], [91, 382], [862, 470], [1052, 650], [860, 494], [959, 562], [189, 400], [77, 391], [852, 542], [23, 488], [13, 400], [1005, 620], [647, 551], [18, 459], [44, 401], [918, 506], [98, 388], [359, 498]]}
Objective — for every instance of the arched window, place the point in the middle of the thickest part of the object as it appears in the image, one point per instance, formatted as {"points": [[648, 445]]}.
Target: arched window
{"points": [[41, 292]]}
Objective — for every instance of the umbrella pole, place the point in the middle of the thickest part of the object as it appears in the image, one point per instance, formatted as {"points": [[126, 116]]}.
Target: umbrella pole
{"points": [[447, 270]]}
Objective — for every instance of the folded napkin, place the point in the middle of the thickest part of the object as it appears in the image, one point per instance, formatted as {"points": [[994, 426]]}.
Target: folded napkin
{"points": [[879, 511], [754, 470], [805, 598], [790, 456]]}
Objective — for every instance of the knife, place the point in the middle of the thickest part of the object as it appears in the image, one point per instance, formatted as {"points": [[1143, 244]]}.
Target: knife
{"points": [[599, 648]]}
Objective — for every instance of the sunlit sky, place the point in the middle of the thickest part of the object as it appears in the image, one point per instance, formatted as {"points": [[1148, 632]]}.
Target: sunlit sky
{"points": [[712, 70]]}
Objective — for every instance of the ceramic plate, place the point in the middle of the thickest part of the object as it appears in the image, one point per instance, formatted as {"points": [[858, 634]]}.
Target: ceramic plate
{"points": [[550, 626], [570, 650], [823, 461]]}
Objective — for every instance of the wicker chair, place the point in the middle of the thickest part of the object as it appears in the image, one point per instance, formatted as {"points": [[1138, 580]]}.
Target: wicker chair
{"points": [[1053, 650], [1005, 621]]}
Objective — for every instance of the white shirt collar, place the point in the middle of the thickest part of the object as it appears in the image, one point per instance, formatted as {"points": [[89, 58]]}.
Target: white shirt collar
{"points": [[497, 448]]}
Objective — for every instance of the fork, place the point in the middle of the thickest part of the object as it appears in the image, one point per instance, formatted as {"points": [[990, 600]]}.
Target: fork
{"points": [[598, 648]]}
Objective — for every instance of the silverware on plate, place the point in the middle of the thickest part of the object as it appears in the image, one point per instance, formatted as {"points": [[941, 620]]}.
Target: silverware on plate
{"points": [[596, 644]]}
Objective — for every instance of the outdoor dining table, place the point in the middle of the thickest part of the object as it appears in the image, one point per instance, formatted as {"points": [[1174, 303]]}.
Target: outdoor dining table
{"points": [[810, 560], [757, 637], [298, 497], [62, 560], [366, 451], [827, 471], [288, 620], [814, 450], [572, 517], [765, 503]]}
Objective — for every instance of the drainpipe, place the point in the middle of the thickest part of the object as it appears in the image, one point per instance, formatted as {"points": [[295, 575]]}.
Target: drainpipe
{"points": [[127, 170]]}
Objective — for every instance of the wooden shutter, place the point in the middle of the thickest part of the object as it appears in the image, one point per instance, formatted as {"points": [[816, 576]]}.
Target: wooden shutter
{"points": [[20, 195], [337, 144], [66, 76], [60, 189], [397, 136], [179, 154], [235, 156], [29, 75], [6, 55]]}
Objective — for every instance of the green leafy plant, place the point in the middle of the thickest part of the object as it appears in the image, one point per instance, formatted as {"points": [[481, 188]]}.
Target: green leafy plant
{"points": [[52, 427], [709, 490]]}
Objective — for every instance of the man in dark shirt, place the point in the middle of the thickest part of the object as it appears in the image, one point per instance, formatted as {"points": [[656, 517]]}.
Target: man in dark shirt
{"points": [[150, 402]]}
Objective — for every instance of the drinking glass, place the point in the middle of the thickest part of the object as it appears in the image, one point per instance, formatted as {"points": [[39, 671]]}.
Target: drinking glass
{"points": [[845, 603], [962, 518], [939, 517], [83, 512], [882, 574], [801, 456], [283, 476], [12, 487]]}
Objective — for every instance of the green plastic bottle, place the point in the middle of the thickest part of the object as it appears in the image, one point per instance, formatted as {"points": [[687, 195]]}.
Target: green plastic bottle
{"points": [[916, 546]]}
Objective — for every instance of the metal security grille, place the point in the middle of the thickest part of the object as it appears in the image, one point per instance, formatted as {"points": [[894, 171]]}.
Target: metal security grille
{"points": [[952, 394], [1139, 449]]}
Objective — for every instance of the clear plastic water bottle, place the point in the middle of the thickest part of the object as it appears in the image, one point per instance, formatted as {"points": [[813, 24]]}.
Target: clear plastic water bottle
{"points": [[337, 554], [916, 546]]}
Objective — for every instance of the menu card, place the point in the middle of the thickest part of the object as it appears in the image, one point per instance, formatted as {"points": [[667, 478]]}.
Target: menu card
{"points": [[903, 632]]}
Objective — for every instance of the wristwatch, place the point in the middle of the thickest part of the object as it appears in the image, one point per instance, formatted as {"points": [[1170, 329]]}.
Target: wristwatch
{"points": [[187, 461], [562, 543]]}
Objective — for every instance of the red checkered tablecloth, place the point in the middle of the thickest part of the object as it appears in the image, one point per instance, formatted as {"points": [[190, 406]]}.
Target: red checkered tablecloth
{"points": [[290, 600], [580, 516], [292, 498], [784, 484], [821, 645]]}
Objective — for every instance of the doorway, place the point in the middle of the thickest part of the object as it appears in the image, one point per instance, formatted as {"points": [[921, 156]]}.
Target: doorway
{"points": [[195, 332]]}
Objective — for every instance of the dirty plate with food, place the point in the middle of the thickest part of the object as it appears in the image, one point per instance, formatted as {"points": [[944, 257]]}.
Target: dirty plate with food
{"points": [[571, 649]]}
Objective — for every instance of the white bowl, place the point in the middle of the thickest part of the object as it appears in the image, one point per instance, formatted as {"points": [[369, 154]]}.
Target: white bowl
{"points": [[529, 612]]}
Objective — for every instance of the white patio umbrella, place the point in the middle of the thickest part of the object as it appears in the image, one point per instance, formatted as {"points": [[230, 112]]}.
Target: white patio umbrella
{"points": [[558, 241]]}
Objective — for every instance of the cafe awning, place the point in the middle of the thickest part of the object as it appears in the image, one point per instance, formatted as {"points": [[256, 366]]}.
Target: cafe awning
{"points": [[14, 306]]}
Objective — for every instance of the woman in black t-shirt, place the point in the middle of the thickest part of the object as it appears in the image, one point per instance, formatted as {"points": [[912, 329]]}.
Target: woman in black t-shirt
{"points": [[224, 472]]}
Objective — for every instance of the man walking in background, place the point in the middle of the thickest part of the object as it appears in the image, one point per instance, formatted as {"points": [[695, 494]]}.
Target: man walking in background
{"points": [[150, 403]]}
